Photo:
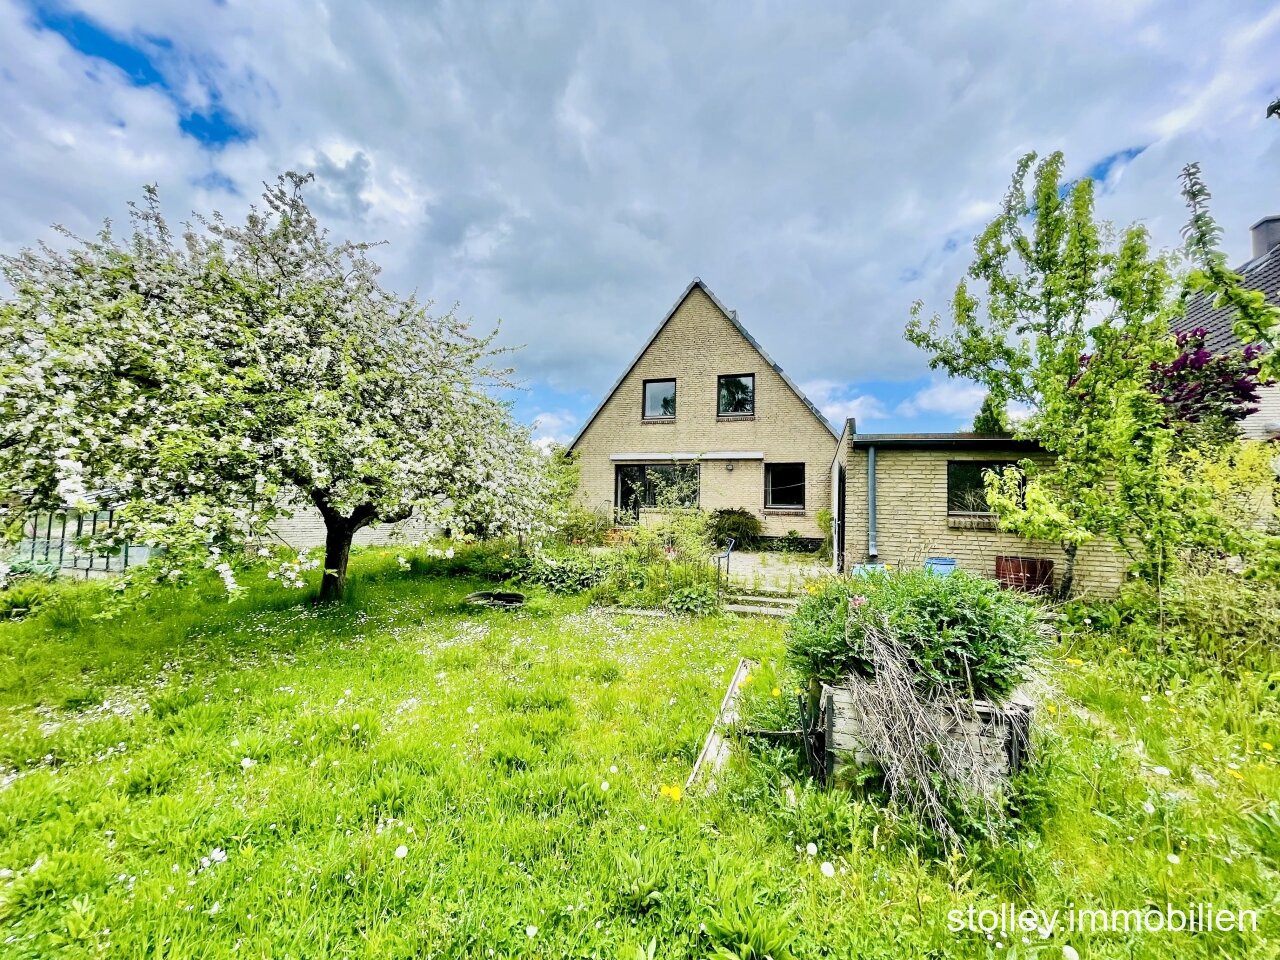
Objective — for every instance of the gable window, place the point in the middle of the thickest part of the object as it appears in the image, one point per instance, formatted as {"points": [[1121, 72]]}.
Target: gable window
{"points": [[966, 486], [784, 486], [735, 394], [659, 399]]}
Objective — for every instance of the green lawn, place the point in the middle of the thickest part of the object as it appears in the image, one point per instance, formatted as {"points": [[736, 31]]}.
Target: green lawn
{"points": [[406, 777]]}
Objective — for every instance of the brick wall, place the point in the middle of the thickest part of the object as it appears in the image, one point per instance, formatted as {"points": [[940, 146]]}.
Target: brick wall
{"points": [[697, 345], [912, 522]]}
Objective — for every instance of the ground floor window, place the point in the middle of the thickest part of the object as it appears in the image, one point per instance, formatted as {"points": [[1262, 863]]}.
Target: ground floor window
{"points": [[655, 484], [966, 485], [784, 486]]}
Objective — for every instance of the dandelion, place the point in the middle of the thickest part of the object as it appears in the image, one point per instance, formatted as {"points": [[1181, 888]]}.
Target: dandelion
{"points": [[246, 763], [811, 849], [1146, 698], [1075, 662], [673, 792], [828, 869], [1266, 746], [218, 855], [401, 852], [531, 931], [1148, 807], [1161, 771], [1236, 773], [776, 691], [1069, 952], [604, 786], [614, 768], [1174, 859], [213, 911]]}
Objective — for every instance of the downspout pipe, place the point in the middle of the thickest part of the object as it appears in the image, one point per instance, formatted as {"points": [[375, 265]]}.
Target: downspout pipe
{"points": [[872, 551]]}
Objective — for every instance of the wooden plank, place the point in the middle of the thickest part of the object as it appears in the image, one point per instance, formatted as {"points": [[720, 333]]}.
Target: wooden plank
{"points": [[715, 751]]}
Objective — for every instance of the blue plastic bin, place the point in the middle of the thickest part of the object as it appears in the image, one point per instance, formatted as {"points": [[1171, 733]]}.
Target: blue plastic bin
{"points": [[940, 566]]}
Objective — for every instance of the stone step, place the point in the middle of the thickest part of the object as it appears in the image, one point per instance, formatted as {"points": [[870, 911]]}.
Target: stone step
{"points": [[750, 610], [763, 599]]}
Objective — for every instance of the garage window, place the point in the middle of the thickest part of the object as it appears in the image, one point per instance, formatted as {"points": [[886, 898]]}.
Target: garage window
{"points": [[966, 486]]}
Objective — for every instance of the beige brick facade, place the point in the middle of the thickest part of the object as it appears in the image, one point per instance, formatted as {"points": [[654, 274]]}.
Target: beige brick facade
{"points": [[912, 521], [696, 344]]}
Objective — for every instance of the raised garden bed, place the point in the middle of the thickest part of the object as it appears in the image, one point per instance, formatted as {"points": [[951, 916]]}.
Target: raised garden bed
{"points": [[996, 736]]}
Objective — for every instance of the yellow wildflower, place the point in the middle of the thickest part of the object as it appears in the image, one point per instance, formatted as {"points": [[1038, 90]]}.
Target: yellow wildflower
{"points": [[673, 791], [1237, 774], [776, 692], [1266, 746], [1051, 708], [1074, 662]]}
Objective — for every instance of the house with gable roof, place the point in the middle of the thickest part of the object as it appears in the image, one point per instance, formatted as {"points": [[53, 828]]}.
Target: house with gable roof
{"points": [[703, 408]]}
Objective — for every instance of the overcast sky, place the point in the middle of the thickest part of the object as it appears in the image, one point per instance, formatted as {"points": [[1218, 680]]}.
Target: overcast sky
{"points": [[569, 168]]}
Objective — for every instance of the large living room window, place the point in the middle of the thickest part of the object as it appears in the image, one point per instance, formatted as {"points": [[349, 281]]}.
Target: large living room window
{"points": [[659, 399], [655, 484], [784, 486], [966, 486], [736, 394]]}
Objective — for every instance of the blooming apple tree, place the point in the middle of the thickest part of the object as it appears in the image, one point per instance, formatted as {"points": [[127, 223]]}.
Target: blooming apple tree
{"points": [[210, 383]]}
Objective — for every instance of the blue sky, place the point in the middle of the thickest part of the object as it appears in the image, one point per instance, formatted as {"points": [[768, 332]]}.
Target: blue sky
{"points": [[568, 169]]}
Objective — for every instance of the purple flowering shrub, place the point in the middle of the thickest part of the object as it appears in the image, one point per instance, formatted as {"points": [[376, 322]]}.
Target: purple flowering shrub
{"points": [[1198, 386]]}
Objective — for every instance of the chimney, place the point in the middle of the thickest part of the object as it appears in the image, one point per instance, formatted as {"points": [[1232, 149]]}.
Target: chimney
{"points": [[1266, 235]]}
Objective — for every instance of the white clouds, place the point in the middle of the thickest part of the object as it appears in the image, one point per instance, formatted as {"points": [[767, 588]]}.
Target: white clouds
{"points": [[569, 169], [839, 402], [954, 399], [554, 428]]}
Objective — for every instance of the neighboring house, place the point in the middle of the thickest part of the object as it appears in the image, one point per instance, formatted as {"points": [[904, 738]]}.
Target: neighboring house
{"points": [[704, 408], [1262, 272], [900, 499]]}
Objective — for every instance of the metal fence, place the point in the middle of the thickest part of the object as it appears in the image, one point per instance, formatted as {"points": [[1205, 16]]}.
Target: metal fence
{"points": [[58, 539]]}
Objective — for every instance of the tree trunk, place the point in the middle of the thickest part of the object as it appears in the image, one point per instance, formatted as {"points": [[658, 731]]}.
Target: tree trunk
{"points": [[339, 532], [1068, 570]]}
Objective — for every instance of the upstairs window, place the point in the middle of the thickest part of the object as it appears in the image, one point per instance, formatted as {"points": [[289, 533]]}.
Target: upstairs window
{"points": [[659, 399], [735, 394], [966, 485], [784, 486]]}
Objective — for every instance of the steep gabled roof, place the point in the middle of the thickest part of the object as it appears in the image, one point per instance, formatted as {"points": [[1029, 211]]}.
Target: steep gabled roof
{"points": [[1261, 273], [732, 316]]}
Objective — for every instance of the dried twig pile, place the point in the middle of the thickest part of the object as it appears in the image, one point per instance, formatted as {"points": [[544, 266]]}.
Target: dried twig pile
{"points": [[930, 766]]}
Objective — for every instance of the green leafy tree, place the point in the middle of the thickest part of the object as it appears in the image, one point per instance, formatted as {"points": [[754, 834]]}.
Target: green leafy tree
{"points": [[1257, 321], [1069, 320], [207, 384], [991, 418]]}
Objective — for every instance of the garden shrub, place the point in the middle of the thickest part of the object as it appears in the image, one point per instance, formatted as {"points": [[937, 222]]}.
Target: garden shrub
{"points": [[583, 526], [742, 525], [963, 634], [25, 585], [568, 571], [560, 570], [25, 596], [696, 599], [791, 542]]}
